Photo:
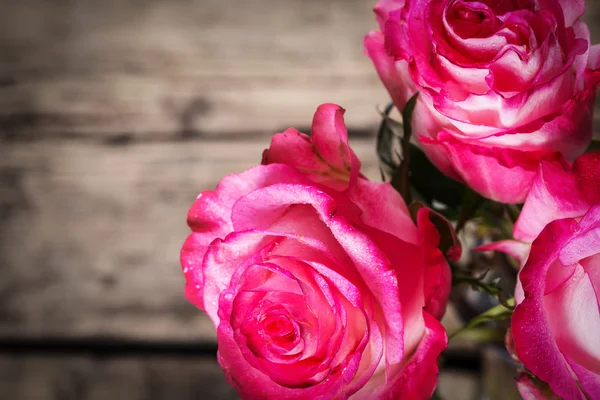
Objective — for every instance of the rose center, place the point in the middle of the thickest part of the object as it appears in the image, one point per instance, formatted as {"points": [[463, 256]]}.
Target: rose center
{"points": [[279, 328], [472, 20], [501, 7], [470, 15]]}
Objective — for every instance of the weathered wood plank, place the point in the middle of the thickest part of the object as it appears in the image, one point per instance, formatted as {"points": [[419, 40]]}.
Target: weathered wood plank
{"points": [[152, 378], [182, 67], [499, 371], [126, 378], [90, 234], [185, 67], [454, 385]]}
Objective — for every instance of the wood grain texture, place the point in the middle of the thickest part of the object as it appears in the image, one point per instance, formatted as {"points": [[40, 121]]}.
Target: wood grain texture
{"points": [[90, 234], [121, 111], [151, 378], [182, 67], [125, 378], [114, 114]]}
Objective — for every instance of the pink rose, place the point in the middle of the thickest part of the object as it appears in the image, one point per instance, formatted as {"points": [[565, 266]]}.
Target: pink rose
{"points": [[318, 281], [556, 324], [503, 84]]}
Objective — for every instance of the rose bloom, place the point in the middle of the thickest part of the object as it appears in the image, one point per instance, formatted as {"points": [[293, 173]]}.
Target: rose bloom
{"points": [[318, 281], [556, 324], [503, 84]]}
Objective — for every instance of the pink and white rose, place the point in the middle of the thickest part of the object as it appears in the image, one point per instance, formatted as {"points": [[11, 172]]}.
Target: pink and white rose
{"points": [[556, 324], [318, 281], [503, 84]]}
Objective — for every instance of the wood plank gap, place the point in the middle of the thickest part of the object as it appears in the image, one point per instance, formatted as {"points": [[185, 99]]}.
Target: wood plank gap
{"points": [[106, 347], [125, 138]]}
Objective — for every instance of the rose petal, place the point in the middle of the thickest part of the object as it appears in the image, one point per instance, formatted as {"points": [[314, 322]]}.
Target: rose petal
{"points": [[381, 279], [383, 9], [586, 169], [192, 257], [570, 10], [383, 208], [574, 320], [223, 258], [514, 248], [296, 150], [553, 195], [497, 173], [530, 391], [393, 74], [418, 378], [239, 374], [330, 139], [590, 381], [267, 205], [438, 277], [407, 261], [211, 212], [586, 239], [534, 343], [325, 157], [210, 218]]}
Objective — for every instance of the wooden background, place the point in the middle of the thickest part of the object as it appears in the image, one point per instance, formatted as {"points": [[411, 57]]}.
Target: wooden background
{"points": [[114, 114]]}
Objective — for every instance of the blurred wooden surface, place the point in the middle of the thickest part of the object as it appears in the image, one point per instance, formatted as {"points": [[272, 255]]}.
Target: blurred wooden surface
{"points": [[180, 68], [114, 114], [122, 378], [143, 378], [148, 69], [90, 234]]}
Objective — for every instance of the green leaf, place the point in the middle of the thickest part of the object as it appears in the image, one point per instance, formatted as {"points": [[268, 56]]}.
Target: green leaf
{"points": [[431, 183], [415, 174], [483, 334], [407, 114], [513, 211], [400, 179], [460, 277], [470, 204], [492, 214], [498, 313], [388, 129], [594, 145]]}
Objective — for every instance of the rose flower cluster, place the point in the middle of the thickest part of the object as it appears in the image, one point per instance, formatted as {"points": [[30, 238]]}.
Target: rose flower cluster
{"points": [[323, 284]]}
